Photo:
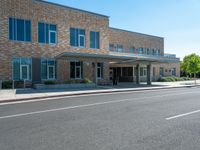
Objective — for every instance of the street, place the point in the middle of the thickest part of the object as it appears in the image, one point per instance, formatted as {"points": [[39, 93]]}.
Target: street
{"points": [[144, 120]]}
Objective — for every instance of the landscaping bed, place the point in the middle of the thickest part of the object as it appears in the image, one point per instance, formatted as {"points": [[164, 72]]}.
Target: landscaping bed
{"points": [[173, 79]]}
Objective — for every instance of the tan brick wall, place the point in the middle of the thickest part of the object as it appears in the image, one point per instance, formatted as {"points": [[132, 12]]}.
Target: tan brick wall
{"points": [[64, 19], [137, 40]]}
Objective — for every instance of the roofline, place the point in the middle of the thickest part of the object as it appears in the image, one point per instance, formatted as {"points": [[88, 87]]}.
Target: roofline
{"points": [[64, 6], [136, 32]]}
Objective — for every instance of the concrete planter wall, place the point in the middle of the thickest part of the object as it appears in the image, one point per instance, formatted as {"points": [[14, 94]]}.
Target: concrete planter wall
{"points": [[64, 86], [7, 93]]}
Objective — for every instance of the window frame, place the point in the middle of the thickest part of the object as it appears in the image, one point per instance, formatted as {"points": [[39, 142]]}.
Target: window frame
{"points": [[100, 68], [80, 67], [49, 35], [14, 29], [47, 69], [95, 40], [20, 64]]}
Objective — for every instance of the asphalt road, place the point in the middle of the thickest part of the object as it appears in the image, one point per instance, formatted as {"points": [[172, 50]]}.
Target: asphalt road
{"points": [[150, 120]]}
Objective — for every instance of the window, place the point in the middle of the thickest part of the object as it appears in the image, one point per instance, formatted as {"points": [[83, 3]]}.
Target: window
{"points": [[140, 50], [143, 71], [158, 52], [99, 70], [148, 51], [22, 68], [154, 71], [77, 37], [111, 47], [47, 33], [132, 50], [19, 30], [94, 39], [119, 48], [48, 69], [76, 69], [174, 71], [161, 71]]}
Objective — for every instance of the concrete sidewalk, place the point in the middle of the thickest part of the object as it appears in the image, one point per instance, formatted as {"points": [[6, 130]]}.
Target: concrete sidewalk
{"points": [[30, 94]]}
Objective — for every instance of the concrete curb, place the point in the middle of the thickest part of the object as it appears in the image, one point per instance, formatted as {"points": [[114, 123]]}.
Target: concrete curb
{"points": [[95, 92]]}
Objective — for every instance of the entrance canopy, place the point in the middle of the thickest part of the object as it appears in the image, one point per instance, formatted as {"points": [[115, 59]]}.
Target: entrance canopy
{"points": [[122, 57]]}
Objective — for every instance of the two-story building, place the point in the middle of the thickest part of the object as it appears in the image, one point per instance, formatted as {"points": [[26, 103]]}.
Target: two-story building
{"points": [[42, 41]]}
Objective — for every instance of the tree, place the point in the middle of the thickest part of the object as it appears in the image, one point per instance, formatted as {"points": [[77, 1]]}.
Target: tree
{"points": [[191, 64]]}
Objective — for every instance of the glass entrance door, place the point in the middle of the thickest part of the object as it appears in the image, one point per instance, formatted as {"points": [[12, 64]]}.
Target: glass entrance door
{"points": [[24, 72]]}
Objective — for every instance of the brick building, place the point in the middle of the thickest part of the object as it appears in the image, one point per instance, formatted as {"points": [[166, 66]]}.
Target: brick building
{"points": [[42, 41]]}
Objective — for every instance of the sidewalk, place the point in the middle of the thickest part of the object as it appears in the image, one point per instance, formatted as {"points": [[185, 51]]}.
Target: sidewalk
{"points": [[30, 94]]}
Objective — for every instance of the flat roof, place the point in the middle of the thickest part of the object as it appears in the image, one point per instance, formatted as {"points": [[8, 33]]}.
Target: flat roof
{"points": [[136, 32], [122, 57], [64, 6]]}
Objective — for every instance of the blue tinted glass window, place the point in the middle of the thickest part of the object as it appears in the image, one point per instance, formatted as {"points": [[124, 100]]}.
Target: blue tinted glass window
{"points": [[97, 40], [19, 29], [53, 27], [47, 33], [53, 37], [72, 36], [77, 37], [28, 31], [41, 33], [94, 39]]}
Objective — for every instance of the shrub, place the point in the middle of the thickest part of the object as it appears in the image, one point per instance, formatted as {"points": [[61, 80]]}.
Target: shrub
{"points": [[172, 79], [49, 82], [86, 80], [78, 81], [7, 84]]}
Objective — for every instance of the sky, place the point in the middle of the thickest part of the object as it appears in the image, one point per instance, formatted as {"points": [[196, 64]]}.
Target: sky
{"points": [[178, 21]]}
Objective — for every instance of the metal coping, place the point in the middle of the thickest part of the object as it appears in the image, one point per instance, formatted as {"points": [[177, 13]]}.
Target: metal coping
{"points": [[64, 6]]}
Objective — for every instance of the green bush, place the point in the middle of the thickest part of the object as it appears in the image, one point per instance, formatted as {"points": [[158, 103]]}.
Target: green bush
{"points": [[78, 81], [7, 84], [172, 79], [49, 82]]}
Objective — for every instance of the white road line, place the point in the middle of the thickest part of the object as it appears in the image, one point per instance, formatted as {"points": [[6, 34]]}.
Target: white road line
{"points": [[183, 115], [85, 105]]}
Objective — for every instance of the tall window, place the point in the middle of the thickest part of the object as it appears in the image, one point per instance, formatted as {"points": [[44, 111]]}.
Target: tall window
{"points": [[143, 71], [111, 47], [99, 70], [174, 71], [47, 33], [22, 68], [77, 37], [148, 51], [119, 48], [132, 50], [19, 30], [140, 50], [161, 71], [48, 69], [76, 69], [94, 39]]}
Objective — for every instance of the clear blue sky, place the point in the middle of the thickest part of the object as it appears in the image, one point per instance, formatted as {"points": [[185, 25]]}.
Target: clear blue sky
{"points": [[178, 21]]}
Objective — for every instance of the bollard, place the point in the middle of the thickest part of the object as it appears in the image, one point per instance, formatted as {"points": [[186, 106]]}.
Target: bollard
{"points": [[24, 83], [1, 84], [13, 84]]}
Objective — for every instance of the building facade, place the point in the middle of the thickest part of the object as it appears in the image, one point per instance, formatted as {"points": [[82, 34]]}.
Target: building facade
{"points": [[42, 41]]}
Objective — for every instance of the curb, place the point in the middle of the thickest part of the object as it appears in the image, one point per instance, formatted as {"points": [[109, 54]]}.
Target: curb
{"points": [[96, 92]]}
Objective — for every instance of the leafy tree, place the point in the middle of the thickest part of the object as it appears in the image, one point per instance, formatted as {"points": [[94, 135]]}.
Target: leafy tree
{"points": [[191, 64]]}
